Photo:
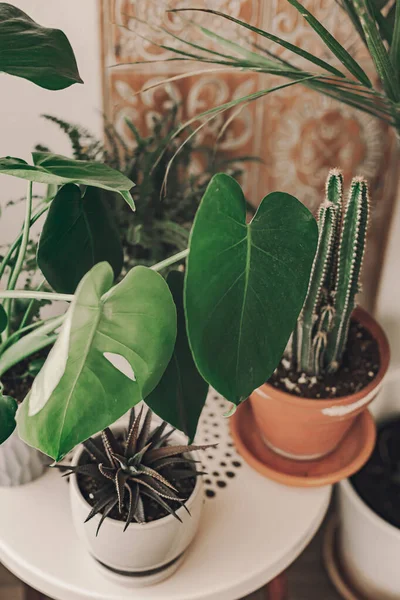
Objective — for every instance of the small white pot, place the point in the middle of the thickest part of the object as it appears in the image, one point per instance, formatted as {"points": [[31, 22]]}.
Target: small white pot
{"points": [[369, 547], [143, 554], [19, 463]]}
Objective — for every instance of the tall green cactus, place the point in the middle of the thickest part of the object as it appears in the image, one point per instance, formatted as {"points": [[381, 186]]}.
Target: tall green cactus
{"points": [[321, 333]]}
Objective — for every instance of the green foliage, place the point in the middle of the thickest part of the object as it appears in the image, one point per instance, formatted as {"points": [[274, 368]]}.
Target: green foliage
{"points": [[54, 169], [39, 54], [321, 334], [78, 233], [378, 27], [163, 217], [136, 468], [245, 284], [3, 319], [8, 408], [181, 393], [112, 350]]}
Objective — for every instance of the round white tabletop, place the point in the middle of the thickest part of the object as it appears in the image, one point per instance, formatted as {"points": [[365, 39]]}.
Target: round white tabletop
{"points": [[251, 530]]}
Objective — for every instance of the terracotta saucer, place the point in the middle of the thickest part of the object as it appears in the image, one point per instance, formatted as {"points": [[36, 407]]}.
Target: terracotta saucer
{"points": [[351, 454], [332, 562]]}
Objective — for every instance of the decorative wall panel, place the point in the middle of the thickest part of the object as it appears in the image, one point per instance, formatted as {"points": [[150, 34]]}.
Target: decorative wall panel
{"points": [[297, 133]]}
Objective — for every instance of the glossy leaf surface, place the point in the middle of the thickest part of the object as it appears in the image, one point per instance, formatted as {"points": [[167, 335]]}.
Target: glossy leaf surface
{"points": [[180, 395], [245, 284], [78, 233], [54, 169], [39, 54], [112, 350]]}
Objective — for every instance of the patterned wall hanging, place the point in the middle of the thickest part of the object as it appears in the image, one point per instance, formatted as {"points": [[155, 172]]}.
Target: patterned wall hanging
{"points": [[297, 133]]}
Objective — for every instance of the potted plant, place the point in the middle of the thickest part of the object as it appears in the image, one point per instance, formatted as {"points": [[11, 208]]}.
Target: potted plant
{"points": [[369, 516], [160, 228], [338, 356], [136, 498]]}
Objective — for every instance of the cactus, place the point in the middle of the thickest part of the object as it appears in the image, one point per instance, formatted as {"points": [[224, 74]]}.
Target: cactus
{"points": [[320, 336]]}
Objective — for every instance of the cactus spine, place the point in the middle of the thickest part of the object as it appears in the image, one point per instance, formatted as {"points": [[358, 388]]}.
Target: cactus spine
{"points": [[321, 332]]}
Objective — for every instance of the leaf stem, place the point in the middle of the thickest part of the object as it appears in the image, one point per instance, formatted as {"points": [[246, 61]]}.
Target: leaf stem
{"points": [[167, 262], [8, 305], [17, 242], [26, 294]]}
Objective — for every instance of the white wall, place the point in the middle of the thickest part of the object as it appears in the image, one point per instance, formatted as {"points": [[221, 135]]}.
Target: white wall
{"points": [[22, 102]]}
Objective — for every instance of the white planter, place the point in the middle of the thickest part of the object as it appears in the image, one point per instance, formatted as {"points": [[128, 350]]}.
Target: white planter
{"points": [[144, 554], [369, 547], [19, 463]]}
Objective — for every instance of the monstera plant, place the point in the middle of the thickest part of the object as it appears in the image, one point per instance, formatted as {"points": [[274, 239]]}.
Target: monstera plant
{"points": [[224, 322]]}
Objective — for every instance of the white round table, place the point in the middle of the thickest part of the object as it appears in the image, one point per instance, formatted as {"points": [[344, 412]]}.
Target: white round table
{"points": [[251, 530]]}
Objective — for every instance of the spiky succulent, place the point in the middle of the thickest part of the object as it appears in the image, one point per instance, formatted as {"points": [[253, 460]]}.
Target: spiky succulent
{"points": [[138, 465], [320, 337]]}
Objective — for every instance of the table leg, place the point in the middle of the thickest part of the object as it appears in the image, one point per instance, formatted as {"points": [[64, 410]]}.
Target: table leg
{"points": [[31, 594]]}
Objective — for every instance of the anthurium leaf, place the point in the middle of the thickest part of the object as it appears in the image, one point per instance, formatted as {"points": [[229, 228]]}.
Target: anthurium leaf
{"points": [[8, 408], [181, 393], [39, 54], [245, 284], [3, 319], [78, 233], [111, 352], [54, 169]]}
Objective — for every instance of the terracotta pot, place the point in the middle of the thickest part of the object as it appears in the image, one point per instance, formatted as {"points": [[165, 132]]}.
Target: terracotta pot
{"points": [[306, 428]]}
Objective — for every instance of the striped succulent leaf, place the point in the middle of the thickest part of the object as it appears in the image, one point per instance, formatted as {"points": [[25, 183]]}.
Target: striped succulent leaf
{"points": [[134, 467]]}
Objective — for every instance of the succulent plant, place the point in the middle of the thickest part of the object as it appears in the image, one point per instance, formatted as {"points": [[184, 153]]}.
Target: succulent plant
{"points": [[320, 337], [138, 465]]}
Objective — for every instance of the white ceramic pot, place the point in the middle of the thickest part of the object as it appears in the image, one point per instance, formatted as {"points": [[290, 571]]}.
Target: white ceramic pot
{"points": [[369, 547], [19, 463], [143, 554]]}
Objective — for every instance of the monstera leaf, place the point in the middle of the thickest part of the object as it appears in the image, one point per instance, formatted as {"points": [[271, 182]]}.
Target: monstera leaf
{"points": [[111, 352], [39, 54], [78, 233], [180, 396], [8, 408], [245, 284], [54, 169]]}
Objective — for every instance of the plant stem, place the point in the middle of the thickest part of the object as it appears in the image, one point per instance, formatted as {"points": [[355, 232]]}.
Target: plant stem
{"points": [[8, 305], [168, 261], [52, 323], [28, 311], [17, 242], [35, 295]]}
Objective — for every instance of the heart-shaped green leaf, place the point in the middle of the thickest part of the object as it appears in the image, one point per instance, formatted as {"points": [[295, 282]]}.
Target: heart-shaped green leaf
{"points": [[180, 396], [36, 53], [8, 408], [3, 319], [112, 350], [78, 233], [245, 284], [54, 169]]}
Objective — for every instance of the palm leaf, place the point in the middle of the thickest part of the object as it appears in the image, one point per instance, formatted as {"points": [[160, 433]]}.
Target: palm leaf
{"points": [[378, 52], [337, 49], [395, 47], [273, 38]]}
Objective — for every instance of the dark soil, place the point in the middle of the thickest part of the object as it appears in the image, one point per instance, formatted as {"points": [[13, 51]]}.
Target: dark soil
{"points": [[18, 380], [152, 509], [378, 482], [360, 364]]}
